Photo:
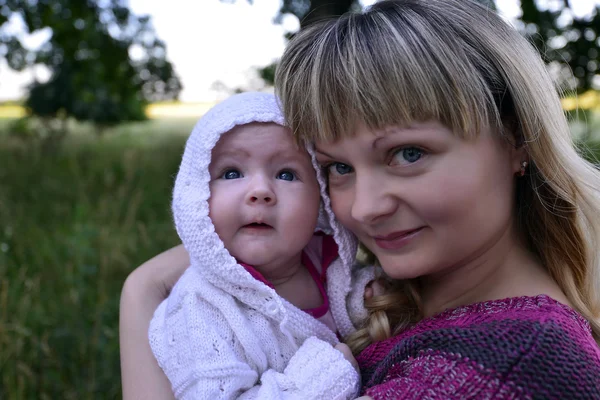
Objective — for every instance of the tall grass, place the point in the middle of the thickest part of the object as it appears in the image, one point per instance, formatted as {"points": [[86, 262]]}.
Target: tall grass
{"points": [[73, 224]]}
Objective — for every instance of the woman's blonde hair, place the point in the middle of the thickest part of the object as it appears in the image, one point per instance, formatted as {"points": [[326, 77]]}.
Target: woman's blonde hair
{"points": [[457, 62]]}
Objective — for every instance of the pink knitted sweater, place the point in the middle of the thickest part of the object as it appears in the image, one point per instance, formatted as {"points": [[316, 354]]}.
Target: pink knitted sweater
{"points": [[517, 348]]}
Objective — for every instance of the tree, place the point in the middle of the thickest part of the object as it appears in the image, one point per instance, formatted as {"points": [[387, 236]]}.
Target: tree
{"points": [[93, 77], [309, 11], [569, 43]]}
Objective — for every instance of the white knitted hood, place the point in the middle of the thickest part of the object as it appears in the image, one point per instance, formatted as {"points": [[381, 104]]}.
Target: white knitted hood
{"points": [[191, 193]]}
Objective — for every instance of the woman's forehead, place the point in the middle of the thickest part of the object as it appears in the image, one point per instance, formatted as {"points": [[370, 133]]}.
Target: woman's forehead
{"points": [[377, 136]]}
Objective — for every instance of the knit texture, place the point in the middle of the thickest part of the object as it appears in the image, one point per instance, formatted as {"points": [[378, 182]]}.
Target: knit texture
{"points": [[516, 348], [222, 333]]}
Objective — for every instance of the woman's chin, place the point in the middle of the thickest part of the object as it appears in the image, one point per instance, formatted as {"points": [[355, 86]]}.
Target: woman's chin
{"points": [[403, 267]]}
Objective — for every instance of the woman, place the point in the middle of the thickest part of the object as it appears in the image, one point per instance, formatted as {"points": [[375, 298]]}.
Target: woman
{"points": [[447, 154]]}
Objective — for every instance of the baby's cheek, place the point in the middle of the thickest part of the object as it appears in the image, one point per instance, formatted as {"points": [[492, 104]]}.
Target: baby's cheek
{"points": [[222, 216], [302, 219], [303, 202]]}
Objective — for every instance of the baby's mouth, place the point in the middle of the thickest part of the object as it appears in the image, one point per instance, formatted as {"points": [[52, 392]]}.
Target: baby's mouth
{"points": [[258, 225]]}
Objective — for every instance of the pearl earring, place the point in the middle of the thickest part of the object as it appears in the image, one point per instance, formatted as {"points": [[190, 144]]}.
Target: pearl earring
{"points": [[523, 168]]}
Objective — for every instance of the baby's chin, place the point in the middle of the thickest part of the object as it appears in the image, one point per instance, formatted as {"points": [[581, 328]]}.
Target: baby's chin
{"points": [[255, 259], [264, 262]]}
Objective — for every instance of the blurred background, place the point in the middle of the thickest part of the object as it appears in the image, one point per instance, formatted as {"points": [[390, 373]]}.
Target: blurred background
{"points": [[96, 100]]}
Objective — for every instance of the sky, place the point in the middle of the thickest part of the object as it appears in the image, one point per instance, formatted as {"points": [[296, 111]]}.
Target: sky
{"points": [[212, 41]]}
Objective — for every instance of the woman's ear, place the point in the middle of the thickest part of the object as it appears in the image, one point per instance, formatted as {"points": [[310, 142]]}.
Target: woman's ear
{"points": [[519, 160], [518, 148]]}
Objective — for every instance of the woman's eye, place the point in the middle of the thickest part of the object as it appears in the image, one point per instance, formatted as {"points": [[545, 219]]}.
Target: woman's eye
{"points": [[407, 155], [338, 169], [286, 176], [231, 174]]}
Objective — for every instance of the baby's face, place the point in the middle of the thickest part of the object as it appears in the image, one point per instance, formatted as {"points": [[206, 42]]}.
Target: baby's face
{"points": [[264, 200]]}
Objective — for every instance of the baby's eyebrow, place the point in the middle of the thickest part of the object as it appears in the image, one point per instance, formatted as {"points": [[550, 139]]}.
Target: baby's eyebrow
{"points": [[235, 152], [289, 155]]}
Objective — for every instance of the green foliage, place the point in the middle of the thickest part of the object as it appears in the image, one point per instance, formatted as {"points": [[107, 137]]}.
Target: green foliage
{"points": [[309, 11], [21, 128], [267, 73], [590, 149], [74, 224], [584, 123], [46, 131], [93, 78], [570, 42]]}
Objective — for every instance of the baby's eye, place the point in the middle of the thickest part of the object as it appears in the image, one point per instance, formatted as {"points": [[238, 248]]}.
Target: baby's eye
{"points": [[407, 155], [286, 176], [231, 174], [338, 169]]}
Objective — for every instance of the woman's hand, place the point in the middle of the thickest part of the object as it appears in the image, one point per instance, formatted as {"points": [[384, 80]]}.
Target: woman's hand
{"points": [[145, 288]]}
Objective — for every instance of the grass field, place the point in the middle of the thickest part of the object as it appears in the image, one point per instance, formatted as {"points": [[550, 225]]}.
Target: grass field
{"points": [[73, 224]]}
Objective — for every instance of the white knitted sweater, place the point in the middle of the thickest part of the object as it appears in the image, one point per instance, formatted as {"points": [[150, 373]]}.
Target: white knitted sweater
{"points": [[222, 334]]}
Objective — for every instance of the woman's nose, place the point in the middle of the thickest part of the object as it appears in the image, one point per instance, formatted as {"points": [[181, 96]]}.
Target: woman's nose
{"points": [[371, 200]]}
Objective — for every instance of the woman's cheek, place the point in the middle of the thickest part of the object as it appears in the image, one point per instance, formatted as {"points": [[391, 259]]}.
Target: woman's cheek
{"points": [[441, 196]]}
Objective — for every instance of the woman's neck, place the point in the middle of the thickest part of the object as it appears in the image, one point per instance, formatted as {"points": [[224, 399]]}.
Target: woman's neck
{"points": [[505, 268]]}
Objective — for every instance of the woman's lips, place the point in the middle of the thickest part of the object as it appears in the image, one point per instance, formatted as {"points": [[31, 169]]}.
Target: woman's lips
{"points": [[397, 240]]}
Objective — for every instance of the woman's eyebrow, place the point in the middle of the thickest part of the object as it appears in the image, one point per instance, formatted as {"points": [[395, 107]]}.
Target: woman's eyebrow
{"points": [[378, 141], [323, 153]]}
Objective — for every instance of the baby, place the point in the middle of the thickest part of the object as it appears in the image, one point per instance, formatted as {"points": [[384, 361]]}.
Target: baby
{"points": [[269, 290]]}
